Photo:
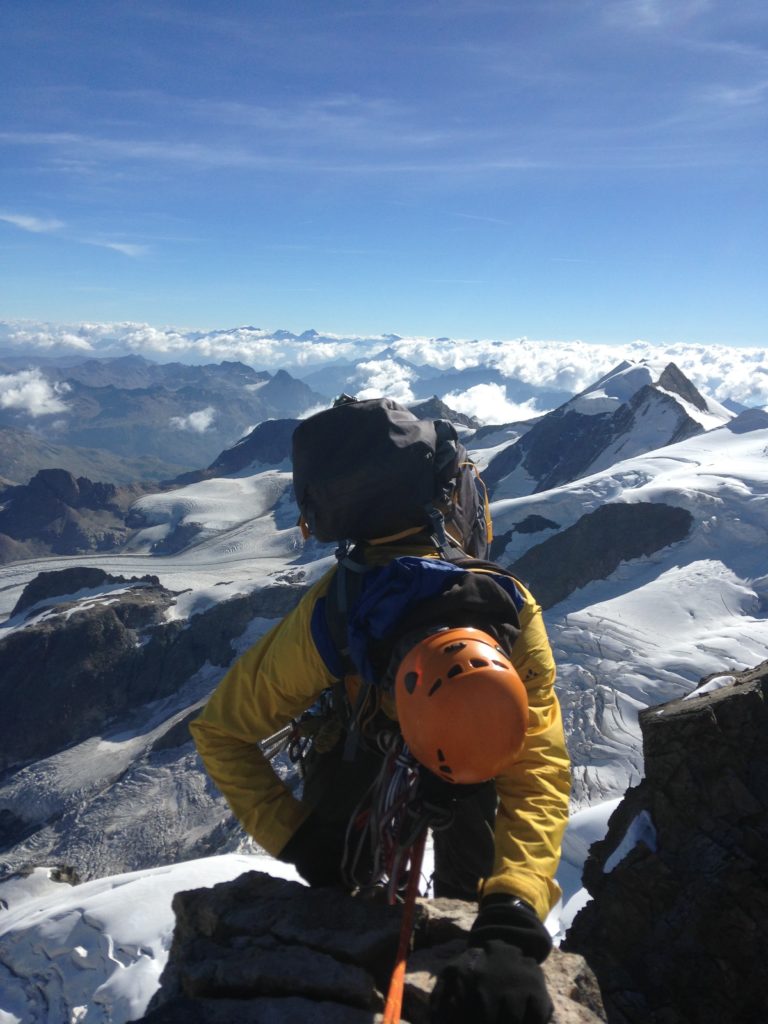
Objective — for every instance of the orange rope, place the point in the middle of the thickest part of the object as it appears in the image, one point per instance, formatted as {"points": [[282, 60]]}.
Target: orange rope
{"points": [[397, 982]]}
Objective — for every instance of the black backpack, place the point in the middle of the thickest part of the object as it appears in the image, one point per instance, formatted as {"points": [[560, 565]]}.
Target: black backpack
{"points": [[371, 470]]}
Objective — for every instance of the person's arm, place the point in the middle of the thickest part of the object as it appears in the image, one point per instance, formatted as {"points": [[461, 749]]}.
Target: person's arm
{"points": [[534, 794], [274, 681], [497, 978]]}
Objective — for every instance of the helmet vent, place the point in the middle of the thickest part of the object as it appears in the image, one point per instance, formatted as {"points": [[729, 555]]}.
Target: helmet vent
{"points": [[410, 681], [446, 770], [478, 662], [452, 648], [440, 755], [435, 687], [501, 664], [454, 670]]}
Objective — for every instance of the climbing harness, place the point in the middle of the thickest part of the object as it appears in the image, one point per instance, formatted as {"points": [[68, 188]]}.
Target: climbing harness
{"points": [[320, 727]]}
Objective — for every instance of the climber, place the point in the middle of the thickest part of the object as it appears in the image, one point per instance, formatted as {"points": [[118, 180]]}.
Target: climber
{"points": [[452, 656]]}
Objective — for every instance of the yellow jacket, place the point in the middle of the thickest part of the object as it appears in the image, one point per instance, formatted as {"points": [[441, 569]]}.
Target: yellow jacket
{"points": [[283, 674]]}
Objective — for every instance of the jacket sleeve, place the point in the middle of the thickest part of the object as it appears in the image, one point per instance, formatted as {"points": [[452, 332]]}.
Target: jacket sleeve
{"points": [[274, 681], [534, 794]]}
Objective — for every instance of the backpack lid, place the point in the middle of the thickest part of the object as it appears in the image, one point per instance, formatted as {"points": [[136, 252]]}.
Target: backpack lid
{"points": [[371, 469]]}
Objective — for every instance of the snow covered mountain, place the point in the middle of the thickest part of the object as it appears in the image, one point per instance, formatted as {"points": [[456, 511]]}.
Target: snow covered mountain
{"points": [[628, 633], [625, 413], [657, 623]]}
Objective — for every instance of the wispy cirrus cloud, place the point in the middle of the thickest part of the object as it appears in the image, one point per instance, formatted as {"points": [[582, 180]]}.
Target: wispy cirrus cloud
{"points": [[38, 225], [654, 14], [126, 248], [50, 225]]}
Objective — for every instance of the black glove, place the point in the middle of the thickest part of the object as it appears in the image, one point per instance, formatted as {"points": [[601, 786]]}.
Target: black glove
{"points": [[492, 984], [497, 980], [316, 849], [506, 917]]}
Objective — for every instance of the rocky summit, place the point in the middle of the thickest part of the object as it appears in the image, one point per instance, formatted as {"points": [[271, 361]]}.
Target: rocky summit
{"points": [[677, 928], [262, 950]]}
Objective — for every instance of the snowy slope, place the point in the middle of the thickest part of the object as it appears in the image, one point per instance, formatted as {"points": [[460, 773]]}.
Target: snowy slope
{"points": [[94, 953], [631, 410], [657, 625], [645, 634]]}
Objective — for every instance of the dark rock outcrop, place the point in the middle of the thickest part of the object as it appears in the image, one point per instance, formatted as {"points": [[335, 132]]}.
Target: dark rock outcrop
{"points": [[673, 379], [47, 586], [750, 419], [268, 444], [678, 925], [262, 949], [596, 545], [81, 660], [435, 409], [60, 514], [531, 524]]}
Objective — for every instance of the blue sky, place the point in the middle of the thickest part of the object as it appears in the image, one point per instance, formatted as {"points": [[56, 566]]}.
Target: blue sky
{"points": [[554, 169]]}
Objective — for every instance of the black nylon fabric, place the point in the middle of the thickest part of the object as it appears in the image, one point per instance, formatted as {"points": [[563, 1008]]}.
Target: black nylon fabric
{"points": [[364, 470], [495, 984], [475, 599], [511, 919]]}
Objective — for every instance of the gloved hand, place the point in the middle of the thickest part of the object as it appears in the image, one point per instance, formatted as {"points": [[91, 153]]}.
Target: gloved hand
{"points": [[497, 980], [316, 849], [491, 984]]}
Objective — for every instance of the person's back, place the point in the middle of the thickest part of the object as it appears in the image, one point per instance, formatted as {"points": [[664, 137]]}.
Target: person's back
{"points": [[369, 634]]}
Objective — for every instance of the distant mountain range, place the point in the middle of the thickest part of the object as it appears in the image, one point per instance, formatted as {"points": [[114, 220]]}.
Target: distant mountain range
{"points": [[625, 413], [164, 419], [636, 511], [161, 418]]}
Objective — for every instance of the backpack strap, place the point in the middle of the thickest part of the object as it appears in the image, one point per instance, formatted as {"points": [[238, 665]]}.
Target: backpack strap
{"points": [[342, 594], [346, 587]]}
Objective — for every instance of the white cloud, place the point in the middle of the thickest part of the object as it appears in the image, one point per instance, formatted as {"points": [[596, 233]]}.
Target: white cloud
{"points": [[489, 404], [39, 225], [720, 371], [198, 422], [383, 377], [28, 391]]}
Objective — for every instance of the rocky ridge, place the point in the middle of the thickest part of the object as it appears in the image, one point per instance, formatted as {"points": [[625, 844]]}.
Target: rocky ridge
{"points": [[93, 656], [595, 546], [95, 646], [56, 513], [678, 923], [262, 950], [625, 413]]}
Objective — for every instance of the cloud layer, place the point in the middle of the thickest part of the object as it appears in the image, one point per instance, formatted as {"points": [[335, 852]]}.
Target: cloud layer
{"points": [[740, 374]]}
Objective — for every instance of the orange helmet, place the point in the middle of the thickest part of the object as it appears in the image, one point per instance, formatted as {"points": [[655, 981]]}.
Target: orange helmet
{"points": [[462, 707]]}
